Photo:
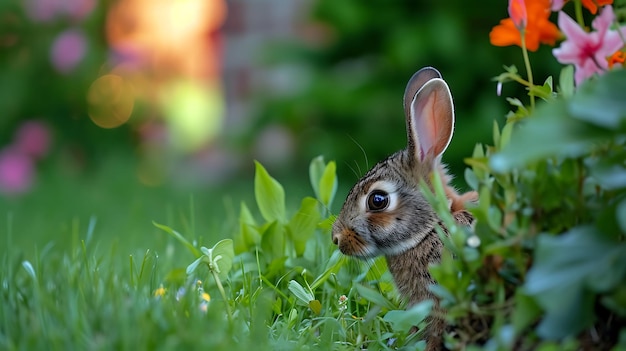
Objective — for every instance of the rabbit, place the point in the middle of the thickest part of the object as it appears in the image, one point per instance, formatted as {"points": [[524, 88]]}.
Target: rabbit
{"points": [[386, 214]]}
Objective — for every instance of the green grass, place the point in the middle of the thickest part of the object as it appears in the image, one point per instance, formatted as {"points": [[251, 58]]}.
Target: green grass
{"points": [[83, 266]]}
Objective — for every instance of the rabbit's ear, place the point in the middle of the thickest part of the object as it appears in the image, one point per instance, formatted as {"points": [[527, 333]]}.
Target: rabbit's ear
{"points": [[430, 120], [416, 83]]}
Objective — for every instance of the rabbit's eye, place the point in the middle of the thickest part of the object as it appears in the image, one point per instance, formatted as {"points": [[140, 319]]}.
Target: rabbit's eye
{"points": [[377, 200]]}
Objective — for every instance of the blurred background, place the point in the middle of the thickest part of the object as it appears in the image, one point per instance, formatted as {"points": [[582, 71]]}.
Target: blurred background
{"points": [[122, 112]]}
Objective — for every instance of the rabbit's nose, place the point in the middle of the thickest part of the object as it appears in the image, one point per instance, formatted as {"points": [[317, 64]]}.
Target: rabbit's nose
{"points": [[335, 238]]}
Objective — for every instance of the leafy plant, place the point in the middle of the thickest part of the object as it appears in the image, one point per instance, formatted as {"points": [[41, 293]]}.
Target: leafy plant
{"points": [[541, 269], [288, 265]]}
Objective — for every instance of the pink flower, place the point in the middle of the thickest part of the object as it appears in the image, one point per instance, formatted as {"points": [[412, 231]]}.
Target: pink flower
{"points": [[588, 51], [557, 5], [16, 172], [33, 139], [68, 50]]}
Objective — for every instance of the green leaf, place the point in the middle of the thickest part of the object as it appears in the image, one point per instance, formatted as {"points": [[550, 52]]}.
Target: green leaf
{"points": [[327, 224], [223, 254], [566, 81], [336, 261], [405, 320], [495, 130], [505, 138], [316, 170], [273, 240], [578, 262], [245, 216], [620, 214], [178, 237], [303, 296], [269, 194], [471, 179], [250, 234], [328, 184], [542, 91], [303, 224], [601, 101], [315, 306], [374, 296], [559, 135], [526, 311], [194, 265]]}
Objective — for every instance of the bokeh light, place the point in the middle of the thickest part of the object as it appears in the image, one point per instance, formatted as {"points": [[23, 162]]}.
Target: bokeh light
{"points": [[169, 53], [68, 50], [110, 101], [193, 112]]}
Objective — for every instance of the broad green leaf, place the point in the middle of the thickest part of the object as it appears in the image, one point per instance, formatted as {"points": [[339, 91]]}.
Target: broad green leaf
{"points": [[327, 224], [273, 240], [405, 320], [495, 131], [610, 174], [178, 237], [277, 306], [591, 263], [601, 101], [328, 184], [316, 170], [559, 135], [245, 216], [526, 311], [505, 137], [566, 81], [620, 214], [471, 179], [303, 296], [303, 224], [374, 296], [194, 265], [250, 234], [315, 306], [269, 194], [223, 254]]}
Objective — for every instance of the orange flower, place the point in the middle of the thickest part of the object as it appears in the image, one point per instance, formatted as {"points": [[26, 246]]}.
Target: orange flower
{"points": [[517, 12], [538, 28], [618, 57], [592, 5]]}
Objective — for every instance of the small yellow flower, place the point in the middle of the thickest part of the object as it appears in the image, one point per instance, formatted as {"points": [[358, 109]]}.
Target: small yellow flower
{"points": [[160, 291], [205, 297]]}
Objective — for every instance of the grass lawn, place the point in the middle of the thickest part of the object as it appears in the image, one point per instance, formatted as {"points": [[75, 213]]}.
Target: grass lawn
{"points": [[83, 267]]}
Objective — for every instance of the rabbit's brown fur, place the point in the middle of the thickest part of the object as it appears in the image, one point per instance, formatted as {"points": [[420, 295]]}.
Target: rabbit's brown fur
{"points": [[386, 214]]}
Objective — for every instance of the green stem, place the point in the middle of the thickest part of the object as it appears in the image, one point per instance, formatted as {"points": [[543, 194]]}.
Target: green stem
{"points": [[578, 8], [528, 70], [223, 293]]}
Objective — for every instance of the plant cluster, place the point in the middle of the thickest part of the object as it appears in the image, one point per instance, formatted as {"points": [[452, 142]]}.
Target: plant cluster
{"points": [[541, 268]]}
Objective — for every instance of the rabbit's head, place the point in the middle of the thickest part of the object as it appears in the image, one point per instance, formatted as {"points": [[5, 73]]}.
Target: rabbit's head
{"points": [[385, 212]]}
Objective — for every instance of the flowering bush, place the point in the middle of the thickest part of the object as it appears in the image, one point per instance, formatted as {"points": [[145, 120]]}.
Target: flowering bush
{"points": [[544, 268]]}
